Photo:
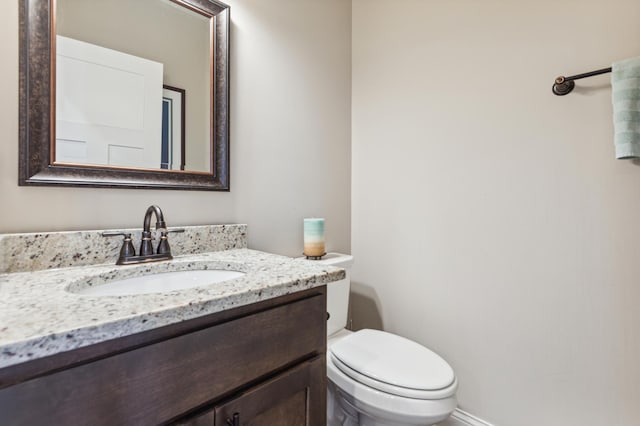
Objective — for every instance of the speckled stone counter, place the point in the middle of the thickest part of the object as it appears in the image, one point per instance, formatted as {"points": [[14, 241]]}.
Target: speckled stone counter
{"points": [[40, 315]]}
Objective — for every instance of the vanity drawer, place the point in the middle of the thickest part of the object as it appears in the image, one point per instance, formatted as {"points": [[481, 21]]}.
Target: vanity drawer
{"points": [[156, 383]]}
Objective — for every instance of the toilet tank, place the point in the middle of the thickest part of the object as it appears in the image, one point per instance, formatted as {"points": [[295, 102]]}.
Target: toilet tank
{"points": [[338, 292]]}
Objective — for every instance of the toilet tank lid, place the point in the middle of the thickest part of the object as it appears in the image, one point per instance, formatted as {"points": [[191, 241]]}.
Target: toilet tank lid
{"points": [[392, 359], [337, 259]]}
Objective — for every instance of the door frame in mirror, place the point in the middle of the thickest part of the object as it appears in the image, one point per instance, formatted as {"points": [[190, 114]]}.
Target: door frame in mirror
{"points": [[37, 111]]}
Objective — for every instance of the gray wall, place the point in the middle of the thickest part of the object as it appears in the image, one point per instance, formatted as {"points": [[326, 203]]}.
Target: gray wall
{"points": [[491, 221], [290, 136]]}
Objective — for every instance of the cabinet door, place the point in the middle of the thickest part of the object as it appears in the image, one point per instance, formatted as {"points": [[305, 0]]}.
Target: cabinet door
{"points": [[296, 397]]}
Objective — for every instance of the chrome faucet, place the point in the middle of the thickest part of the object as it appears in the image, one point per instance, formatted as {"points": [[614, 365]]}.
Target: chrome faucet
{"points": [[163, 252]]}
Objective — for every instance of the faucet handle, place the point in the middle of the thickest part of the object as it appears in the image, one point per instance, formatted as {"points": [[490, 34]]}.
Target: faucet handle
{"points": [[116, 233], [127, 250], [163, 245]]}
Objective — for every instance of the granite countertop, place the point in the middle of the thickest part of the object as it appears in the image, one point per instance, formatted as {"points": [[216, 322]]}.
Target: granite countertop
{"points": [[40, 317]]}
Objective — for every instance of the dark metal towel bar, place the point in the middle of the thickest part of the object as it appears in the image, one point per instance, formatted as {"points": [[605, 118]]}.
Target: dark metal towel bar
{"points": [[564, 85]]}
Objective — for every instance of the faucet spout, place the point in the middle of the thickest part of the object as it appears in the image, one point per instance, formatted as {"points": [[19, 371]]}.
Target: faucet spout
{"points": [[146, 246], [160, 223]]}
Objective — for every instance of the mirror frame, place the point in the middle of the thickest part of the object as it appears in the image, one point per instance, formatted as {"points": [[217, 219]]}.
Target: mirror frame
{"points": [[37, 110]]}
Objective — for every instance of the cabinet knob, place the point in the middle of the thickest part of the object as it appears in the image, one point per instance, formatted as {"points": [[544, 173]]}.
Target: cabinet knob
{"points": [[235, 421]]}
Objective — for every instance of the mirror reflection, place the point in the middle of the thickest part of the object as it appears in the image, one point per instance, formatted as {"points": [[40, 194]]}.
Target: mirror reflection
{"points": [[133, 85]]}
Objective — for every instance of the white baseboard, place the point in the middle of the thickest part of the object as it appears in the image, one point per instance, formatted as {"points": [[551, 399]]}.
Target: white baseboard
{"points": [[462, 418]]}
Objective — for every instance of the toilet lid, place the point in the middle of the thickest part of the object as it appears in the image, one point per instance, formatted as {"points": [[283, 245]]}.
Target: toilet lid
{"points": [[393, 360]]}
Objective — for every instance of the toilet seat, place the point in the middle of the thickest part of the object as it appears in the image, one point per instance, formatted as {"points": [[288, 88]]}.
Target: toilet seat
{"points": [[394, 365], [386, 407], [392, 389]]}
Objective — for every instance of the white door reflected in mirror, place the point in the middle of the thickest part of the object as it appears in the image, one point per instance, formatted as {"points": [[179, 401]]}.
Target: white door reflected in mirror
{"points": [[108, 106]]}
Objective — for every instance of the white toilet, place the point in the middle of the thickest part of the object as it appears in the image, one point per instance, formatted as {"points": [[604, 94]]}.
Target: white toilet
{"points": [[378, 378]]}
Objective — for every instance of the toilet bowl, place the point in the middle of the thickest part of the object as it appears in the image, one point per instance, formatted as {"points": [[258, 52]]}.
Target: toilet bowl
{"points": [[377, 378], [385, 382]]}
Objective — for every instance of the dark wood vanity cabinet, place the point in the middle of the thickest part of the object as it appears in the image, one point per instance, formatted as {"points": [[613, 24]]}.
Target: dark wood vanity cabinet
{"points": [[293, 398], [262, 364]]}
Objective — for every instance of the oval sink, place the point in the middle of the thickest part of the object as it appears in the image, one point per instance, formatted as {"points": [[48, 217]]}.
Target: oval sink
{"points": [[160, 283]]}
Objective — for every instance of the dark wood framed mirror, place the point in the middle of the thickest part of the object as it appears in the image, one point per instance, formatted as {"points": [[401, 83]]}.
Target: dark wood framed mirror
{"points": [[52, 153]]}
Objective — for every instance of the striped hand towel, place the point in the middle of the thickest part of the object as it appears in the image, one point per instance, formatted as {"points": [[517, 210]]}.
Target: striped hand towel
{"points": [[625, 88]]}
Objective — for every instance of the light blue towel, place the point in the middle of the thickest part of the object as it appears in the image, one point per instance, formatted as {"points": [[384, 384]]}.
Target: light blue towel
{"points": [[625, 88]]}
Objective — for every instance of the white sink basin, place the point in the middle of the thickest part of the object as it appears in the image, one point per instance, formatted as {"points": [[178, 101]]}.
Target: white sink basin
{"points": [[160, 283]]}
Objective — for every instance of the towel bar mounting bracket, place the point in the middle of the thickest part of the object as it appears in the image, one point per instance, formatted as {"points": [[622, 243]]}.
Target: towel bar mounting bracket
{"points": [[562, 86]]}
